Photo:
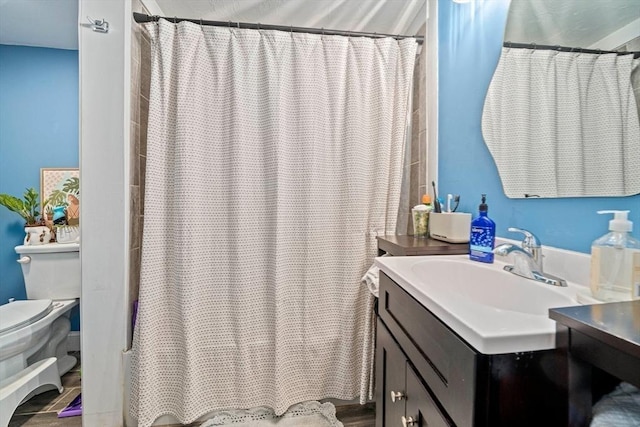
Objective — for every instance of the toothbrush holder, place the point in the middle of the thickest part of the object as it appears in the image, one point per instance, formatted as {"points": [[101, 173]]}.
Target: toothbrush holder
{"points": [[452, 227]]}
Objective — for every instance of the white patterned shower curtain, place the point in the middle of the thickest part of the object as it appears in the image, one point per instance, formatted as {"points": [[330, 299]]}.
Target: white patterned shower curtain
{"points": [[547, 116], [273, 161]]}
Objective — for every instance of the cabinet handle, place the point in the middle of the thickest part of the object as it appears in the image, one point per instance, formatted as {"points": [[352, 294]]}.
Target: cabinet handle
{"points": [[407, 421], [396, 395]]}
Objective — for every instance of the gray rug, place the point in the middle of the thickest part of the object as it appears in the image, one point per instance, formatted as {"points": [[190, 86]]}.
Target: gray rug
{"points": [[306, 414]]}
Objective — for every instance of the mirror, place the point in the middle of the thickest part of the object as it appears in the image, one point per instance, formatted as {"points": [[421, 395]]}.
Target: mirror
{"points": [[561, 117]]}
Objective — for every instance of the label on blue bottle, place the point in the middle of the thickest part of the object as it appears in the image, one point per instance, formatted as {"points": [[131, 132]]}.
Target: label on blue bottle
{"points": [[481, 244]]}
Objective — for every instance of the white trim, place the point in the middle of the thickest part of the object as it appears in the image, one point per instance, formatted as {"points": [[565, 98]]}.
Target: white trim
{"points": [[152, 7], [619, 37], [431, 46], [105, 78]]}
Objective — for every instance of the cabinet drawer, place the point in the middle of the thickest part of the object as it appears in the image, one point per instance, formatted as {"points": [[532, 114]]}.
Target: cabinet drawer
{"points": [[420, 405], [441, 358]]}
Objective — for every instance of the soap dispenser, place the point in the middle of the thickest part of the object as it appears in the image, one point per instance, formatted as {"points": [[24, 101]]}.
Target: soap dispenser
{"points": [[483, 235], [615, 261]]}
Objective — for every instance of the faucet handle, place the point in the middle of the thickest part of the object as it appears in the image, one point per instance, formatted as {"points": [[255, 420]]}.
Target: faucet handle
{"points": [[530, 240]]}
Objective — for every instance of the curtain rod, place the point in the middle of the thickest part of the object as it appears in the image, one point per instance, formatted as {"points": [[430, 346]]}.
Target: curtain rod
{"points": [[566, 49], [141, 18]]}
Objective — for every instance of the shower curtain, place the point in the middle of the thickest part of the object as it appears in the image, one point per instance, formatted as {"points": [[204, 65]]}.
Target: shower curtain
{"points": [[547, 114], [273, 161]]}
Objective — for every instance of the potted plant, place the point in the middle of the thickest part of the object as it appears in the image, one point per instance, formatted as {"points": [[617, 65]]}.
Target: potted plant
{"points": [[37, 233]]}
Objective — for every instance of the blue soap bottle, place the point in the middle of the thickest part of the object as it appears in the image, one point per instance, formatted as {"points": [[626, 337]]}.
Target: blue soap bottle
{"points": [[483, 235]]}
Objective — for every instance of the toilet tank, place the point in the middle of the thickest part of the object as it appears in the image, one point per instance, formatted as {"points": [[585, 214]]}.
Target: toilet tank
{"points": [[51, 271]]}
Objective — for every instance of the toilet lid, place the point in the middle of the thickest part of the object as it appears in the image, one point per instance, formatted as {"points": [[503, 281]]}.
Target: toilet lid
{"points": [[17, 314]]}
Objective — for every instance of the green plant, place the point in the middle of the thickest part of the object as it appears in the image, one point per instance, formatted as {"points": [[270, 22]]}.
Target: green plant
{"points": [[72, 185], [27, 208], [57, 198]]}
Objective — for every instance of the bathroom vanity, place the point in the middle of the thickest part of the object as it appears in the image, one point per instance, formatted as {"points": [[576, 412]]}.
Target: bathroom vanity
{"points": [[428, 374], [461, 343]]}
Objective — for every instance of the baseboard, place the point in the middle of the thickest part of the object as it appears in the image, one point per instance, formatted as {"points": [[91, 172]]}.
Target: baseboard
{"points": [[73, 341], [129, 421]]}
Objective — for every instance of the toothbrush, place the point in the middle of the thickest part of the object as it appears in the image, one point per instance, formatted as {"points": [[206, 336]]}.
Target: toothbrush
{"points": [[456, 200], [437, 207], [449, 200]]}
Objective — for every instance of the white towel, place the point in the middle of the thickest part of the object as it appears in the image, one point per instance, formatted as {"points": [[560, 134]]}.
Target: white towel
{"points": [[620, 408], [372, 280]]}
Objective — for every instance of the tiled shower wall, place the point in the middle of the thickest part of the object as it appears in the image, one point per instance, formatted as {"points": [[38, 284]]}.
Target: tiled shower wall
{"points": [[140, 83], [418, 174]]}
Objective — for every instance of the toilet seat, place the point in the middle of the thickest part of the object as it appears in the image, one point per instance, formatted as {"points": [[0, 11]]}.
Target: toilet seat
{"points": [[17, 314]]}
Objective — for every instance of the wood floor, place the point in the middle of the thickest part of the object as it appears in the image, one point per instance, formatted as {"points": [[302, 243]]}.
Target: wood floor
{"points": [[42, 410], [357, 415]]}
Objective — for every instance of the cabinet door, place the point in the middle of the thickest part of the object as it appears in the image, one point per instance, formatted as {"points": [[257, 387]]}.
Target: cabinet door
{"points": [[390, 377], [421, 410]]}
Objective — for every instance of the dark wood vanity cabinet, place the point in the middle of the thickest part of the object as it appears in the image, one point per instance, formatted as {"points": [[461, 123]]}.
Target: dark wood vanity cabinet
{"points": [[445, 382], [391, 371], [402, 399]]}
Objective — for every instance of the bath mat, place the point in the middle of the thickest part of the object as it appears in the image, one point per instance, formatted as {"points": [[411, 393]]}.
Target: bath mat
{"points": [[306, 414]]}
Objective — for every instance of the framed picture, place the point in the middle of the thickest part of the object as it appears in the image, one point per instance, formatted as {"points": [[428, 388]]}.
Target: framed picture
{"points": [[60, 190]]}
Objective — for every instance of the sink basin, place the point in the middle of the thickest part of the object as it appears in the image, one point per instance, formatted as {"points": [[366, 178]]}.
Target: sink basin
{"points": [[493, 310], [494, 288]]}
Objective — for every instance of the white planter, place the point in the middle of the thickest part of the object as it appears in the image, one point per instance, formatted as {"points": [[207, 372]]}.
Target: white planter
{"points": [[37, 235]]}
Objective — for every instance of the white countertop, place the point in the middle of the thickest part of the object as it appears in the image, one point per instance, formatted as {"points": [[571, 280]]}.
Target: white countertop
{"points": [[492, 310]]}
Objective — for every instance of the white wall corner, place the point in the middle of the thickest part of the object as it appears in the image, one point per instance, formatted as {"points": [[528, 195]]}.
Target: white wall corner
{"points": [[619, 37], [431, 45], [105, 79], [153, 7]]}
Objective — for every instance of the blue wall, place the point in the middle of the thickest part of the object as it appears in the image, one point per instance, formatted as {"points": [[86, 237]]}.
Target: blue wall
{"points": [[470, 39], [38, 128]]}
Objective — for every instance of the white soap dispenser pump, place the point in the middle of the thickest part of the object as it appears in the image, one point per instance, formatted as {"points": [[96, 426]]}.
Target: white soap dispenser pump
{"points": [[615, 261]]}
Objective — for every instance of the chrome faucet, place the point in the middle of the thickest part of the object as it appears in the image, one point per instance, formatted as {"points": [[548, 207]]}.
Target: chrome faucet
{"points": [[527, 259]]}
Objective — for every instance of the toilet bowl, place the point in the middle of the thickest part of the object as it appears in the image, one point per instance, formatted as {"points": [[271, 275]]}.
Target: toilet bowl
{"points": [[33, 333], [33, 330]]}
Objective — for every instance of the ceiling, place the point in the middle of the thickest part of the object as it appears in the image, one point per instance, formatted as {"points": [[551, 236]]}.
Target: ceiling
{"points": [[54, 23], [42, 23], [381, 16]]}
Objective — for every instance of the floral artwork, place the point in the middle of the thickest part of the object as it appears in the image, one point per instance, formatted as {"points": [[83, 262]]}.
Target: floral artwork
{"points": [[60, 187]]}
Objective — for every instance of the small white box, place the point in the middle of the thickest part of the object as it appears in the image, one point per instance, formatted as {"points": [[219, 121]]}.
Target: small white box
{"points": [[452, 227]]}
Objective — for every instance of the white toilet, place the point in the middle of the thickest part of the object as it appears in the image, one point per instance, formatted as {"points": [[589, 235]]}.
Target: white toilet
{"points": [[33, 333]]}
